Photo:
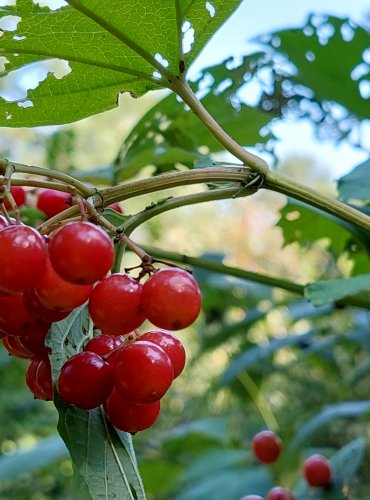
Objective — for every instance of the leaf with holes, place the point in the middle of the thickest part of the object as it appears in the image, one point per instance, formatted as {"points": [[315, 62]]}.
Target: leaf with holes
{"points": [[314, 51], [85, 54]]}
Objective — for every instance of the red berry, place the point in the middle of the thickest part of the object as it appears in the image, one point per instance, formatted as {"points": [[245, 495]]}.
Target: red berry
{"points": [[15, 347], [85, 380], [34, 307], [251, 497], [15, 319], [19, 195], [52, 202], [266, 446], [23, 256], [279, 493], [114, 305], [317, 470], [116, 207], [3, 222], [38, 378], [35, 343], [59, 295], [104, 344], [81, 253], [171, 299], [172, 347], [128, 416], [142, 372]]}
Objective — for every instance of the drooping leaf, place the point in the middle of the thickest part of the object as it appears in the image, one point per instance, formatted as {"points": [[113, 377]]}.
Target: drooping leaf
{"points": [[103, 457], [324, 292], [348, 409], [104, 49], [356, 184], [258, 354]]}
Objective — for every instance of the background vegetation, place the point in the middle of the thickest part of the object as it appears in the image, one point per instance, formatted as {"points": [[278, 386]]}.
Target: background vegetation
{"points": [[259, 356]]}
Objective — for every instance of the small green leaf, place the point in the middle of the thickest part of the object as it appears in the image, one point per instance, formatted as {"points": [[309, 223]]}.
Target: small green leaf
{"points": [[356, 184], [67, 337], [325, 292]]}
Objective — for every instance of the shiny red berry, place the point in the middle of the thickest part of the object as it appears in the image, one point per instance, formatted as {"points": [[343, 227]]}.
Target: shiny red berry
{"points": [[15, 347], [81, 253], [15, 319], [85, 380], [59, 295], [23, 256], [19, 195], [266, 446], [116, 207], [317, 470], [142, 372], [3, 222], [53, 202], [171, 345], [38, 378], [103, 344], [128, 416], [279, 493], [34, 307], [114, 305], [171, 299]]}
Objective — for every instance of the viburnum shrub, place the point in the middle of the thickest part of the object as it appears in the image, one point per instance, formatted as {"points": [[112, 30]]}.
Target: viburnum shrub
{"points": [[98, 335], [120, 369]]}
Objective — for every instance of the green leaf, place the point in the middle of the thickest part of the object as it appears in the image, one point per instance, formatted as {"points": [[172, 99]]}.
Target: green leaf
{"points": [[348, 460], [331, 412], [103, 456], [314, 51], [237, 481], [257, 355], [169, 133], [104, 49], [325, 292], [356, 184], [159, 475], [305, 226], [43, 453]]}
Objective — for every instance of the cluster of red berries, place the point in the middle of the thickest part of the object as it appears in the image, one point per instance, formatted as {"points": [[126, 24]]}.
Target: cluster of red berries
{"points": [[50, 201], [267, 447], [44, 279], [127, 376]]}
